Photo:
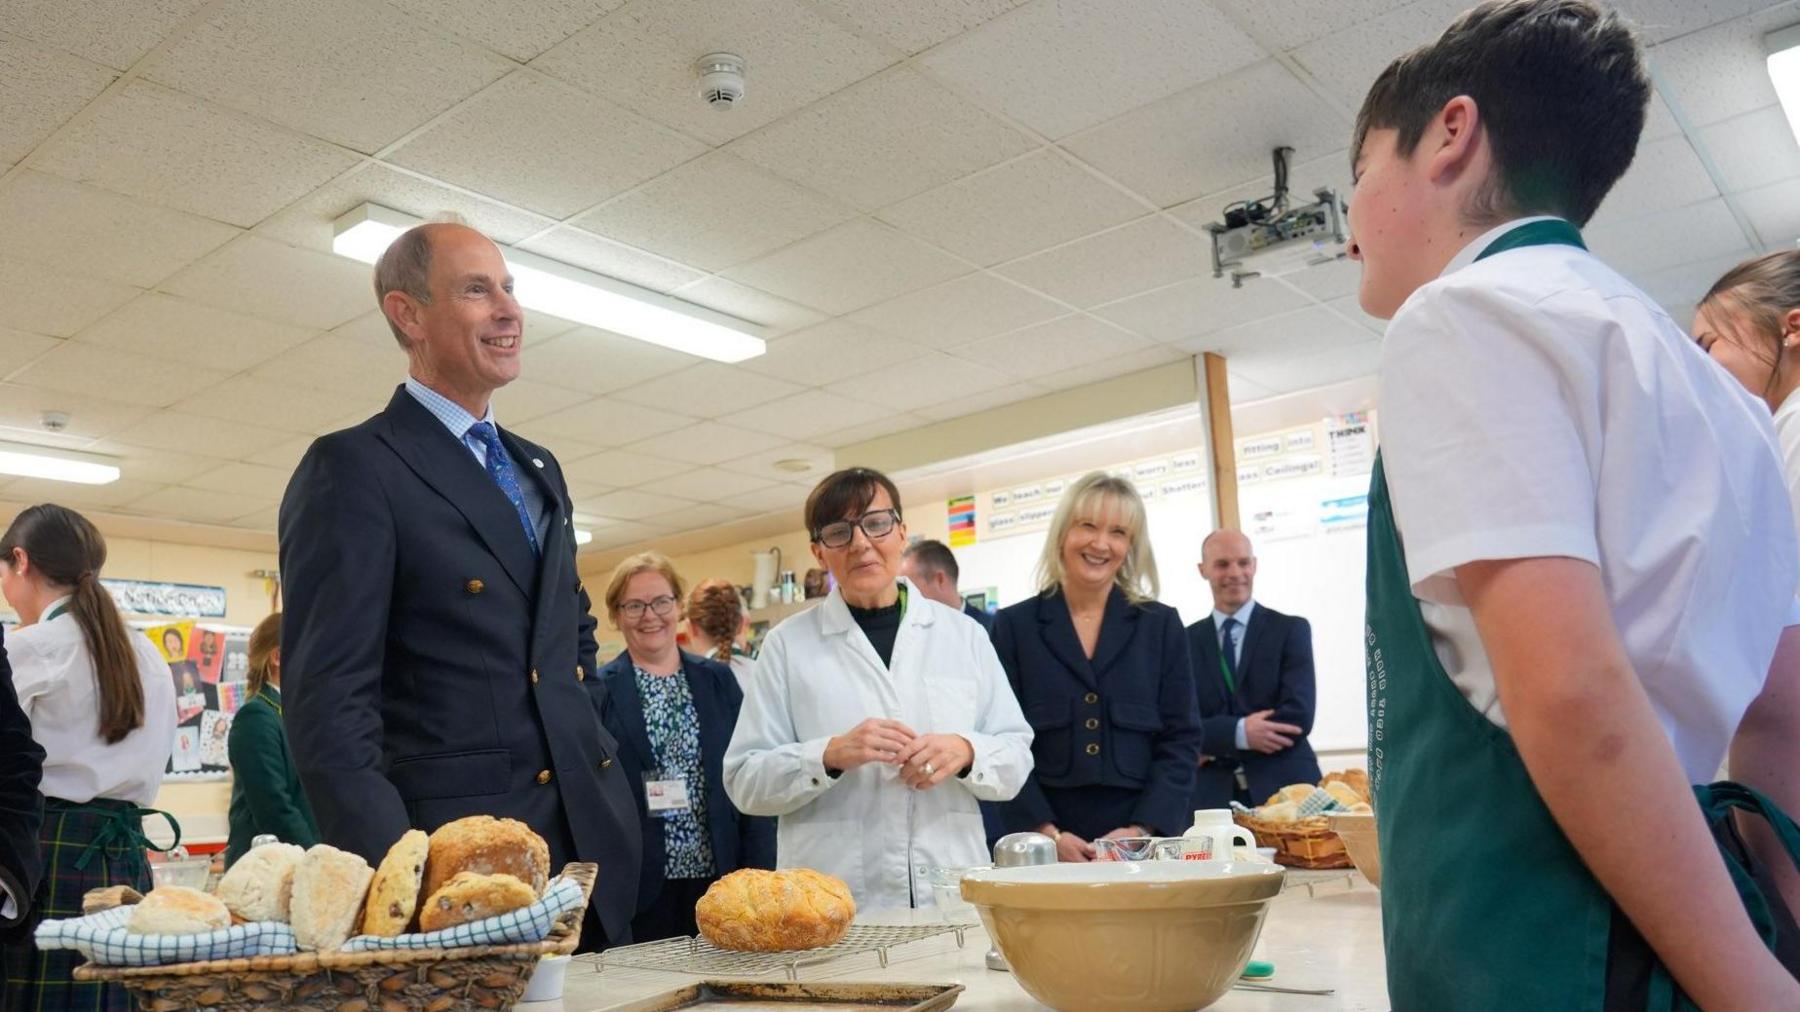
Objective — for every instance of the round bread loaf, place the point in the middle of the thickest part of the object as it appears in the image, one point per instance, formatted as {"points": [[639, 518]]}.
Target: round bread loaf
{"points": [[472, 897], [394, 895], [487, 846], [752, 910], [178, 910], [260, 885]]}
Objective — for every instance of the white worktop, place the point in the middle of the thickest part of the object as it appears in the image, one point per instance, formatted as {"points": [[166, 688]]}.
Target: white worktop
{"points": [[1325, 936]]}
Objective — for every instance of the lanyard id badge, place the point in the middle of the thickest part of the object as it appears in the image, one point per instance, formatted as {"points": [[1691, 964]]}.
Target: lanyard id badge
{"points": [[665, 796]]}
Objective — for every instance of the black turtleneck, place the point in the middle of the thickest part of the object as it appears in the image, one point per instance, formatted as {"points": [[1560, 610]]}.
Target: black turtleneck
{"points": [[881, 625]]}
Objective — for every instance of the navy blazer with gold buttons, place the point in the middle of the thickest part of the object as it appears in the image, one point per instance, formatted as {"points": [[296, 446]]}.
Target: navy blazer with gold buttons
{"points": [[1126, 718]]}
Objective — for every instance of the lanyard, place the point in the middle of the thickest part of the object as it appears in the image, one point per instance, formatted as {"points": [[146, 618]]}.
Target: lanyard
{"points": [[58, 610], [1548, 232], [1225, 671], [271, 700]]}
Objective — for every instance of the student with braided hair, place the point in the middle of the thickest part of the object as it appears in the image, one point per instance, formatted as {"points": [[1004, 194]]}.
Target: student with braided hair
{"points": [[717, 627]]}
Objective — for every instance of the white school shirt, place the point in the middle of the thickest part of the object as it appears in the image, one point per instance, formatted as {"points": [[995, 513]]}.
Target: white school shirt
{"points": [[817, 676], [1787, 438], [1535, 403], [54, 676]]}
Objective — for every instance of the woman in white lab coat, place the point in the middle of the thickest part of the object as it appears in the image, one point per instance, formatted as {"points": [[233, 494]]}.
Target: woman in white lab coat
{"points": [[878, 718]]}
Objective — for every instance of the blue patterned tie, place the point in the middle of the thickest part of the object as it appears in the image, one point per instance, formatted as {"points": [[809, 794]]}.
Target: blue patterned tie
{"points": [[499, 467]]}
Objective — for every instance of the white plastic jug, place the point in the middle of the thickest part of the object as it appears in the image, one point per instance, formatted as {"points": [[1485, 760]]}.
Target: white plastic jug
{"points": [[1217, 824]]}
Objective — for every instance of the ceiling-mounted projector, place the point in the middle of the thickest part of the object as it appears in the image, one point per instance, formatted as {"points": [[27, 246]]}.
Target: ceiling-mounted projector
{"points": [[1268, 238]]}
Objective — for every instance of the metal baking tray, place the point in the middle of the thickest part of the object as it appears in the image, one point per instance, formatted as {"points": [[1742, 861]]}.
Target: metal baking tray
{"points": [[750, 996], [701, 958]]}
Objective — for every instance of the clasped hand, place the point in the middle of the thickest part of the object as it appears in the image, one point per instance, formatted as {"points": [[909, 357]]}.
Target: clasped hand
{"points": [[924, 760]]}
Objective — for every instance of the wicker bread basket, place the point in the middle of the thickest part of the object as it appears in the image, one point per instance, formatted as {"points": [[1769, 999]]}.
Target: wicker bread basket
{"points": [[421, 980], [1306, 843]]}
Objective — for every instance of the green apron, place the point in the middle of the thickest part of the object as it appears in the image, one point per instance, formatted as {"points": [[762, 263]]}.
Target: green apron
{"points": [[1485, 903]]}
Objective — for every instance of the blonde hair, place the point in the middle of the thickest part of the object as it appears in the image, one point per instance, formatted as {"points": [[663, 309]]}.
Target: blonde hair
{"points": [[630, 566], [1089, 497], [265, 639]]}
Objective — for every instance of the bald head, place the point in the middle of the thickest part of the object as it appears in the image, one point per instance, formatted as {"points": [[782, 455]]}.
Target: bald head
{"points": [[1229, 565]]}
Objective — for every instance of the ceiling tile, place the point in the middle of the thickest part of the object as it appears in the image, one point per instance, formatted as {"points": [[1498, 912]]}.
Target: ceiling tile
{"points": [[559, 445], [1665, 19], [184, 433], [520, 29], [883, 140], [523, 400], [1060, 67], [775, 315], [308, 222], [339, 364], [610, 423], [1286, 24], [851, 266], [78, 228], [642, 56], [986, 400], [358, 74], [1686, 283], [715, 211], [172, 149], [631, 504], [163, 467], [582, 149], [916, 25], [372, 329], [39, 90], [620, 534], [773, 499], [1309, 171], [44, 301], [243, 479], [261, 520], [708, 484], [588, 251], [1124, 365], [284, 455], [1200, 306], [1665, 174], [1325, 281], [1345, 63], [1753, 150], [114, 32], [819, 460], [1284, 373], [831, 351], [22, 410], [1158, 152], [183, 503], [178, 330], [1667, 238], [276, 404], [1775, 211], [1721, 72], [103, 497], [837, 439], [1244, 391], [621, 468], [105, 372], [1350, 308], [921, 381], [708, 390], [18, 348], [1016, 208], [697, 516], [258, 277], [1052, 347], [1148, 253], [597, 361], [706, 443], [1298, 333], [808, 414], [957, 312]]}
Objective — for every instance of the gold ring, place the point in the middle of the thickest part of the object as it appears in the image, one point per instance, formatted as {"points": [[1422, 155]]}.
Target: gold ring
{"points": [[929, 771]]}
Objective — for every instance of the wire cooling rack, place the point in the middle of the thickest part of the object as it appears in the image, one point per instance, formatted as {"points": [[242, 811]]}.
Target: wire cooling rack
{"points": [[701, 958]]}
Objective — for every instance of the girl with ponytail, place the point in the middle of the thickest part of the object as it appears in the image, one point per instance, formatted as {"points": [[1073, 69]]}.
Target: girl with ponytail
{"points": [[716, 627], [102, 705], [266, 796]]}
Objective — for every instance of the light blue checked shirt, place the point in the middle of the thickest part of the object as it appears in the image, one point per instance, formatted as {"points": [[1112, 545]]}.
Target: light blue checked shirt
{"points": [[458, 421]]}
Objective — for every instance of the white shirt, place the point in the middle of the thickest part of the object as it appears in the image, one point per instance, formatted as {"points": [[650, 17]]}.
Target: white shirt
{"points": [[1242, 615], [1535, 404], [54, 676], [817, 676], [1787, 438]]}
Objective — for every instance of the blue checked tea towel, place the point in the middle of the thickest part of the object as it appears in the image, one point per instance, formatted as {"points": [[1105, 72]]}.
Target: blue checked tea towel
{"points": [[517, 927], [102, 938]]}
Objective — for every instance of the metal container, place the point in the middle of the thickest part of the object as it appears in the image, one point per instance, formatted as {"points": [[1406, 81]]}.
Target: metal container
{"points": [[1018, 850]]}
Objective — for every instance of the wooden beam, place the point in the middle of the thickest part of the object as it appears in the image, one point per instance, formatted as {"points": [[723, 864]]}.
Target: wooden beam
{"points": [[1223, 448]]}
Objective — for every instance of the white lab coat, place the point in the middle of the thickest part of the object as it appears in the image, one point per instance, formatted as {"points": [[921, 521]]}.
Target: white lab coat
{"points": [[817, 676]]}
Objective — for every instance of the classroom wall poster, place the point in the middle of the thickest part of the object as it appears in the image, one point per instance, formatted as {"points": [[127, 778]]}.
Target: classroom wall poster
{"points": [[208, 664], [148, 597], [962, 521]]}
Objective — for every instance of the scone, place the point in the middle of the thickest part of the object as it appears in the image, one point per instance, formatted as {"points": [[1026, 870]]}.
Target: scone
{"points": [[752, 910], [1355, 779], [471, 896], [329, 887], [1343, 793], [1292, 792], [487, 846], [259, 886], [394, 897], [178, 910], [96, 900], [1280, 811]]}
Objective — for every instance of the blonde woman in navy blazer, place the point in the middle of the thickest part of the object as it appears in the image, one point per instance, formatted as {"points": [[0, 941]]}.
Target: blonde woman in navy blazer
{"points": [[1101, 670]]}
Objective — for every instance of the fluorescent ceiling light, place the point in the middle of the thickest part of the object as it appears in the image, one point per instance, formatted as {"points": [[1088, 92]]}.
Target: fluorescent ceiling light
{"points": [[574, 294], [583, 537], [1783, 48], [56, 465]]}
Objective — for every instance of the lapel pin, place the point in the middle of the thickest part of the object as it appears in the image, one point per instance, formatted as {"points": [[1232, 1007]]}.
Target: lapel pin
{"points": [[537, 461]]}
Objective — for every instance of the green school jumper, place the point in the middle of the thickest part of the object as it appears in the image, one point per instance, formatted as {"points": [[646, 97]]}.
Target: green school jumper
{"points": [[1485, 904]]}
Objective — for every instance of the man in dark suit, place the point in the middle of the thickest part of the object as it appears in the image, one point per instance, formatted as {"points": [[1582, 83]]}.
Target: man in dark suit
{"points": [[932, 568], [1253, 670], [437, 644], [21, 806]]}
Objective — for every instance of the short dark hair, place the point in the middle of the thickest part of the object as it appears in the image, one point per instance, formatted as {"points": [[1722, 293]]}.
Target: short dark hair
{"points": [[405, 266], [843, 494], [935, 557], [1562, 93]]}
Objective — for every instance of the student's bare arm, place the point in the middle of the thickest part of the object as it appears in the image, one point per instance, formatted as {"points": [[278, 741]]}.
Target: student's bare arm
{"points": [[1765, 755], [1586, 731]]}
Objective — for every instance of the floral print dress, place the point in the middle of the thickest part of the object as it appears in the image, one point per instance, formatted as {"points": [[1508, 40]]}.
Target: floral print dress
{"points": [[674, 730]]}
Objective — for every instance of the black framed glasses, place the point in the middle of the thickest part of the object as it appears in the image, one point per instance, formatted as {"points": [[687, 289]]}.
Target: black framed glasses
{"points": [[662, 607], [877, 524]]}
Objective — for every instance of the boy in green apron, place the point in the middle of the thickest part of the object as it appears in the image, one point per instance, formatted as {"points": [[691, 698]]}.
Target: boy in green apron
{"points": [[1581, 557]]}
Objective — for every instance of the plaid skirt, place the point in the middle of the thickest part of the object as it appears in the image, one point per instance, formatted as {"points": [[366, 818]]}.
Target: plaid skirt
{"points": [[38, 981]]}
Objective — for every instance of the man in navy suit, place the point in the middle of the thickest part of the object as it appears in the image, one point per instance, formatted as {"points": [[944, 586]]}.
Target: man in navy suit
{"points": [[21, 806], [932, 568], [438, 650], [1253, 670]]}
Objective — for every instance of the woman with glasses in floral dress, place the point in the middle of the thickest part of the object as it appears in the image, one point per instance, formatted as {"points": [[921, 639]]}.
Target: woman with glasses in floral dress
{"points": [[672, 713], [878, 718]]}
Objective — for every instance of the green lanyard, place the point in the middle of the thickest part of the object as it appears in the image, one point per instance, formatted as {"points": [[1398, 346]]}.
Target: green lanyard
{"points": [[58, 610], [271, 700], [1548, 232], [1225, 672]]}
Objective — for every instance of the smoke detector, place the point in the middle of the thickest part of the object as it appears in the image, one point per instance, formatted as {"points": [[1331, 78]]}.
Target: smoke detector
{"points": [[721, 79], [55, 421]]}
